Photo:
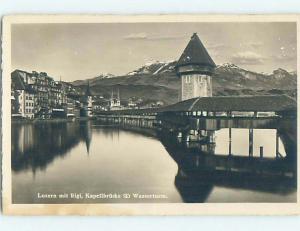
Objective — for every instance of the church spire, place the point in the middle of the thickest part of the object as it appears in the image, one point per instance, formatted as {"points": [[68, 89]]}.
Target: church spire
{"points": [[88, 90]]}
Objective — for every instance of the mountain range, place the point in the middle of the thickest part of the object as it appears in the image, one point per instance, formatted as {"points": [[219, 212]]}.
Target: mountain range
{"points": [[157, 81]]}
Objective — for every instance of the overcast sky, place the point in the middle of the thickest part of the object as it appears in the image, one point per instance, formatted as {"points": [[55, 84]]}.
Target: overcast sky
{"points": [[80, 51]]}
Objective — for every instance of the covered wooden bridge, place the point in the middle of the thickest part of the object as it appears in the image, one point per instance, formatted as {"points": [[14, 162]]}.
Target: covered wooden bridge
{"points": [[282, 105], [224, 107], [228, 105], [197, 119]]}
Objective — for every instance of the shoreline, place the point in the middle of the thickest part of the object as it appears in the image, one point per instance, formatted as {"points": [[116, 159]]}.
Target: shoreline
{"points": [[56, 120]]}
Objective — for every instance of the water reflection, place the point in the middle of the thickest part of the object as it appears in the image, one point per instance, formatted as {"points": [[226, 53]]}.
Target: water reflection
{"points": [[86, 134], [74, 157], [34, 146], [201, 169]]}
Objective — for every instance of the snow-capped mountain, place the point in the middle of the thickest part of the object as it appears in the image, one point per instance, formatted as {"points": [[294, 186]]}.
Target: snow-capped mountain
{"points": [[105, 76], [281, 73], [93, 80], [234, 77], [158, 81], [232, 69], [155, 68]]}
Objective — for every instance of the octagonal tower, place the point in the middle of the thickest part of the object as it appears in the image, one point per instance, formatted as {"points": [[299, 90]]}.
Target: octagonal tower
{"points": [[195, 68]]}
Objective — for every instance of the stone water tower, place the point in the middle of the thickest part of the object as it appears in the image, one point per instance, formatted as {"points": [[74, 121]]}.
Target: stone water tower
{"points": [[195, 68]]}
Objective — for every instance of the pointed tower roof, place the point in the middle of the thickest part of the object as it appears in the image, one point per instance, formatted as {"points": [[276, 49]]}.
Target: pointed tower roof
{"points": [[195, 53], [88, 90], [112, 94]]}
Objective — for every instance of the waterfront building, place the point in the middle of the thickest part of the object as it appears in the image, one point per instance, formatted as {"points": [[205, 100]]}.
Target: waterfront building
{"points": [[50, 97], [72, 107], [47, 94], [62, 93], [47, 91], [132, 103], [37, 95], [22, 98], [195, 68], [100, 104]]}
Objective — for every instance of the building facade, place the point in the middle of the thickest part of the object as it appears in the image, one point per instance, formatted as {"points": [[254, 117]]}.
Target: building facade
{"points": [[22, 98], [72, 107], [195, 68], [37, 95], [26, 100]]}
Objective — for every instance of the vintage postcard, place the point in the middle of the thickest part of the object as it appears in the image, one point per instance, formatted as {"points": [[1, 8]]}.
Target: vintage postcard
{"points": [[150, 114]]}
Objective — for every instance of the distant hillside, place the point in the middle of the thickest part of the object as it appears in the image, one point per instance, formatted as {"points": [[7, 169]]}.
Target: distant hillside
{"points": [[99, 77], [158, 81]]}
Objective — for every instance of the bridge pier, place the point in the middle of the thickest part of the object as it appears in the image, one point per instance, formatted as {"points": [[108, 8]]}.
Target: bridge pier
{"points": [[277, 145], [211, 136], [250, 142], [230, 140]]}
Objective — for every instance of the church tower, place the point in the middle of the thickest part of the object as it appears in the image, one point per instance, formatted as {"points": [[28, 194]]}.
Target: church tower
{"points": [[195, 68], [115, 102], [88, 104]]}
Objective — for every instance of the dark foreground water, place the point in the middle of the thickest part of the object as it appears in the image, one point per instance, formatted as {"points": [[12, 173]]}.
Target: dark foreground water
{"points": [[88, 163]]}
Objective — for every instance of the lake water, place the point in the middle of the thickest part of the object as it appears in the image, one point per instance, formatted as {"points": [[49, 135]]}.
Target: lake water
{"points": [[81, 162]]}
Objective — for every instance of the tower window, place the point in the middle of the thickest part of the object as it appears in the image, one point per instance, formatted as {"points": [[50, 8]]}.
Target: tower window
{"points": [[187, 79]]}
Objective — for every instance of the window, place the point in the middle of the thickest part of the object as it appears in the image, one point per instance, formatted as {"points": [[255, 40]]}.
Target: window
{"points": [[187, 79], [199, 78]]}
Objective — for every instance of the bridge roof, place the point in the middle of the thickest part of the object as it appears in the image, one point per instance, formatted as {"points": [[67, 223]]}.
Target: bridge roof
{"points": [[268, 103], [263, 103]]}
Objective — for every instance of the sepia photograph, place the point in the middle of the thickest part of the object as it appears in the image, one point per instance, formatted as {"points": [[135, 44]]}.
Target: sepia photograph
{"points": [[173, 112]]}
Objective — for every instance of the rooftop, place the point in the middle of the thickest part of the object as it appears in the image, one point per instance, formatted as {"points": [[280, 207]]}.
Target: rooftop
{"points": [[17, 81], [195, 53], [264, 103], [236, 103]]}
